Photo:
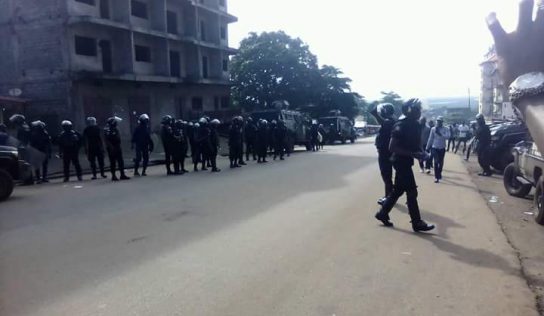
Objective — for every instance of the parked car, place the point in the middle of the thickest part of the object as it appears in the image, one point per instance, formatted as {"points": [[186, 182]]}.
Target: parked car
{"points": [[9, 170], [504, 137], [338, 128], [525, 173]]}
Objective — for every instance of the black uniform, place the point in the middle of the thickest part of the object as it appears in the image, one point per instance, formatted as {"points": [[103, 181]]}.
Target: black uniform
{"points": [[214, 139], [483, 135], [23, 137], [4, 138], [41, 141], [179, 149], [235, 144], [69, 143], [94, 148], [203, 146], [314, 137], [168, 142], [142, 142], [112, 138], [250, 134], [407, 133], [384, 155], [280, 136], [262, 142]]}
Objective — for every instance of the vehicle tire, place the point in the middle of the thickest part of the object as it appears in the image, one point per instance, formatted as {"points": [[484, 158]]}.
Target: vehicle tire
{"points": [[539, 200], [503, 160], [512, 185], [6, 185]]}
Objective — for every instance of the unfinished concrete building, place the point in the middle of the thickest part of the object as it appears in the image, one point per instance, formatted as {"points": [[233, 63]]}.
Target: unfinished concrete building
{"points": [[76, 58]]}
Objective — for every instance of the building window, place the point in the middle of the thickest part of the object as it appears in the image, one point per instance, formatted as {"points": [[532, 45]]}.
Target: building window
{"points": [[89, 2], [225, 102], [139, 9], [197, 104], [142, 53], [205, 73], [223, 33], [85, 46], [225, 64], [172, 22], [202, 30], [175, 64]]}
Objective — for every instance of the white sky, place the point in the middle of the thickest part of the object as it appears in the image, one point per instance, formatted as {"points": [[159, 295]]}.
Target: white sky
{"points": [[420, 48]]}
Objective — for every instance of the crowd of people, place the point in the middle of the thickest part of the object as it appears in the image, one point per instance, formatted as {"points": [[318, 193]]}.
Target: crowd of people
{"points": [[199, 141]]}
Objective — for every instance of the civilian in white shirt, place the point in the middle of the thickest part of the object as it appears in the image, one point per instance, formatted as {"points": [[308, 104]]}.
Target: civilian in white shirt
{"points": [[464, 132], [437, 145]]}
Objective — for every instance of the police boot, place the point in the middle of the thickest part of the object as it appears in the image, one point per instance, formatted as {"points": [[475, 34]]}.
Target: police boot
{"points": [[384, 218], [421, 226], [195, 169], [136, 172], [144, 174]]}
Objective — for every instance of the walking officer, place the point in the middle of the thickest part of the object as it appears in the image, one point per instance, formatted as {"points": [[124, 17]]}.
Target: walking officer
{"points": [[483, 136], [385, 115], [405, 145], [167, 141], [41, 142], [214, 137], [112, 137], [69, 142], [94, 148], [142, 142]]}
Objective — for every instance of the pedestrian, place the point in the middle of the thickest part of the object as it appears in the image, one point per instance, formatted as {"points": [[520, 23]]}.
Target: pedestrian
{"points": [[483, 137], [250, 135], [143, 144], [405, 145], [179, 147], [437, 146], [464, 132], [112, 138], [167, 141], [425, 133], [94, 147], [262, 141], [40, 141], [4, 136], [280, 135], [234, 142], [69, 142], [453, 135], [214, 136], [385, 116]]}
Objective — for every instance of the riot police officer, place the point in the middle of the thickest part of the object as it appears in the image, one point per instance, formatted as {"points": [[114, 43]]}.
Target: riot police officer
{"points": [[94, 147], [235, 137], [203, 144], [250, 135], [483, 135], [142, 142], [262, 141], [69, 142], [41, 142], [23, 134], [179, 147], [405, 145], [280, 135], [112, 137], [167, 141], [214, 137], [385, 115]]}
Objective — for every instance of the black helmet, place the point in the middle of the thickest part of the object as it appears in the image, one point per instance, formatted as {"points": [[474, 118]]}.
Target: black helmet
{"points": [[480, 117], [412, 108], [178, 124], [144, 118], [17, 119], [66, 125], [38, 124], [167, 119], [386, 110], [91, 121], [112, 121]]}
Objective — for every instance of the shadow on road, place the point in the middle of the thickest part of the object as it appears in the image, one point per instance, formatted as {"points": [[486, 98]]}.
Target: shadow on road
{"points": [[443, 224]]}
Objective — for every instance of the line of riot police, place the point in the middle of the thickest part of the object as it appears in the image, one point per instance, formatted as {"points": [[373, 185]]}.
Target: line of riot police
{"points": [[246, 139]]}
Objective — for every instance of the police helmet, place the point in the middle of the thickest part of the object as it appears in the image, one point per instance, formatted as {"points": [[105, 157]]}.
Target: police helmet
{"points": [[412, 108], [197, 125], [143, 118], [203, 120], [215, 122], [114, 120], [264, 122], [17, 119], [91, 121], [440, 119], [178, 123], [480, 117], [66, 123], [386, 110], [274, 122], [38, 124], [167, 119]]}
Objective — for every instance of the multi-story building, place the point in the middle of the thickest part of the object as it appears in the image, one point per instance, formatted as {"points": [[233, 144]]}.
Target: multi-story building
{"points": [[494, 97], [77, 58]]}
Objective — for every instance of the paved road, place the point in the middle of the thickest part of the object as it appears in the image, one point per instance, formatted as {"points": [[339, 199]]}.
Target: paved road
{"points": [[288, 238]]}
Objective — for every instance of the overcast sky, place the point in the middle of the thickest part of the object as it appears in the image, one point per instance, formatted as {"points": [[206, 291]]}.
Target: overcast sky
{"points": [[423, 48]]}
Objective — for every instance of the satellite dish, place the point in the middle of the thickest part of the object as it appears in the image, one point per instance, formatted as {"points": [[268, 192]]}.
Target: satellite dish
{"points": [[15, 92]]}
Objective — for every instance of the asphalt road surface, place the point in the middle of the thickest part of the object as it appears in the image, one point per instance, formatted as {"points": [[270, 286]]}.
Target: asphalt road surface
{"points": [[296, 237]]}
